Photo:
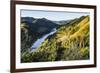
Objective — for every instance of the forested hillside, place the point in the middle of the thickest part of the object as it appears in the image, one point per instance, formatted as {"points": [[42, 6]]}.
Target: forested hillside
{"points": [[70, 42]]}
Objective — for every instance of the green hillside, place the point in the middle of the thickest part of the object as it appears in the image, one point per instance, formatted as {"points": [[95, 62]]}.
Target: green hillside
{"points": [[70, 42]]}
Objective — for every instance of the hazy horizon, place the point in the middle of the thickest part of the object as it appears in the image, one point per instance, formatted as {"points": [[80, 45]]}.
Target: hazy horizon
{"points": [[52, 15]]}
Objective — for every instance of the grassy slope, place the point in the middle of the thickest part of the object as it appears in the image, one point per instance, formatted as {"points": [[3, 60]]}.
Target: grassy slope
{"points": [[70, 42]]}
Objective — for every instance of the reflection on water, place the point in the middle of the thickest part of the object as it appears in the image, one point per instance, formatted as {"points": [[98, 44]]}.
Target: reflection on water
{"points": [[37, 43]]}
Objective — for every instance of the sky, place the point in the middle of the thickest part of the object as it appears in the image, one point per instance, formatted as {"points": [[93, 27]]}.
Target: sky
{"points": [[52, 15]]}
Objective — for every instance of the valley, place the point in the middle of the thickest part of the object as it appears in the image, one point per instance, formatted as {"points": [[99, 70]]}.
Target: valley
{"points": [[70, 41]]}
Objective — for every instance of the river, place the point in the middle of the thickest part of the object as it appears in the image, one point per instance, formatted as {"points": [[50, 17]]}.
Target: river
{"points": [[37, 43]]}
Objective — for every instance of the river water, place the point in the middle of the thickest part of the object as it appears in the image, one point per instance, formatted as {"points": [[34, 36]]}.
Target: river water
{"points": [[37, 43]]}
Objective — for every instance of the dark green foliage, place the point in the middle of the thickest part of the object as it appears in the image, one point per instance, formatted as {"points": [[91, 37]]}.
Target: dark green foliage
{"points": [[70, 42], [32, 29]]}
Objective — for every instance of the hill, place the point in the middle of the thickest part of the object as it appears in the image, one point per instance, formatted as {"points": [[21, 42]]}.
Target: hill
{"points": [[32, 29], [70, 42]]}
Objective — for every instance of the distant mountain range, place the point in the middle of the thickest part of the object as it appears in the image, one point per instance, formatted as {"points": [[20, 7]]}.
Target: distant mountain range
{"points": [[62, 22], [31, 19]]}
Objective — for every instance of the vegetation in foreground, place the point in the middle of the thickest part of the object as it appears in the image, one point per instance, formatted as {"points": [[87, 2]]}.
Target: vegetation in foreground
{"points": [[70, 42]]}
